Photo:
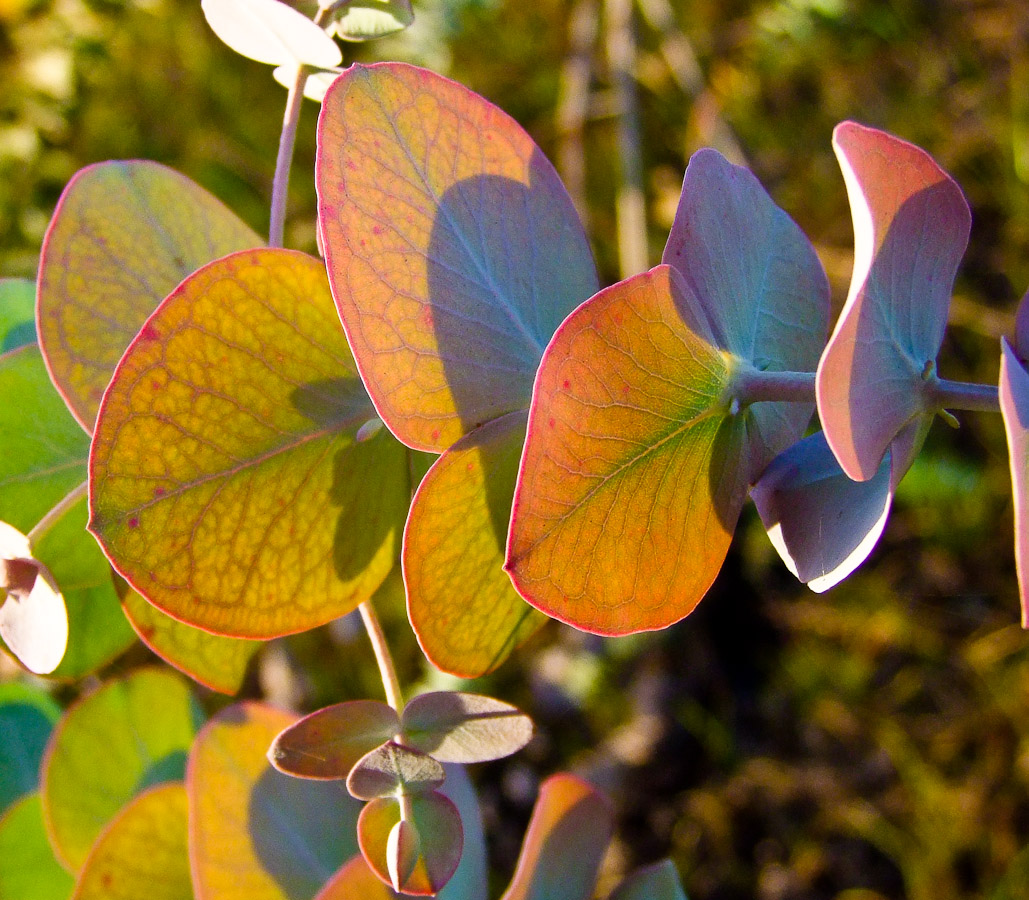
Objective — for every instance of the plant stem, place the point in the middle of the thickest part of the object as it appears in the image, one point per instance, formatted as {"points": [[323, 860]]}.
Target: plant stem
{"points": [[51, 518], [382, 656], [964, 395], [287, 141], [751, 385]]}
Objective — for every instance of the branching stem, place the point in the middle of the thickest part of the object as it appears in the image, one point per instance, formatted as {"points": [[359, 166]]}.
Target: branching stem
{"points": [[53, 516], [754, 386]]}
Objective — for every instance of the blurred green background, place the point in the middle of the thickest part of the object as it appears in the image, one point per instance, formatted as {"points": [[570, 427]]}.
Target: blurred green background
{"points": [[869, 743]]}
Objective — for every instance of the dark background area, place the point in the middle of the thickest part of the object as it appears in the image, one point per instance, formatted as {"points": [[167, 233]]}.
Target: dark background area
{"points": [[868, 743]]}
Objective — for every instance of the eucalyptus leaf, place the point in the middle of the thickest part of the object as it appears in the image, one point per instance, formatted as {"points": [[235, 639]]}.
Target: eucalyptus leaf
{"points": [[464, 728], [271, 32], [394, 770], [365, 20]]}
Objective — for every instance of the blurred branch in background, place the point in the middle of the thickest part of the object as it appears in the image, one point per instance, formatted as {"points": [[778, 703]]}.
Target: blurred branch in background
{"points": [[630, 202]]}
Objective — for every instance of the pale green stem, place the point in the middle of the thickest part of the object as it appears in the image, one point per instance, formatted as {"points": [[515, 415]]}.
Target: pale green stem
{"points": [[382, 656], [53, 517], [390, 684]]}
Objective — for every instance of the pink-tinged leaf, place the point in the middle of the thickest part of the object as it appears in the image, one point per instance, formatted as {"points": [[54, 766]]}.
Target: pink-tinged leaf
{"points": [[467, 615], [217, 662], [657, 882], [328, 743], [123, 235], [33, 617], [256, 834], [911, 225], [271, 32], [631, 480], [356, 881], [437, 837], [394, 770], [458, 727], [823, 523], [452, 247], [568, 834], [403, 848], [142, 852], [132, 733], [226, 484], [1014, 408], [759, 285]]}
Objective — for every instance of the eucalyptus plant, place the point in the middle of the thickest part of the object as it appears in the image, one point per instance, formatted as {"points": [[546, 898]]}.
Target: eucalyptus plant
{"points": [[259, 437]]}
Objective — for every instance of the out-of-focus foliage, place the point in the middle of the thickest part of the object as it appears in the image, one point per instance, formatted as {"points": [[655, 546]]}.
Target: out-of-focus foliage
{"points": [[777, 744]]}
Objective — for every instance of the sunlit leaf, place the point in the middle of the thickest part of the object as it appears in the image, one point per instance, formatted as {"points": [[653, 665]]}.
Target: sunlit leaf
{"points": [[226, 483], [315, 86], [392, 770], [256, 834], [142, 852], [33, 617], [822, 522], [462, 605], [357, 880], [569, 831], [437, 834], [27, 716], [759, 283], [130, 734], [328, 743], [1014, 408], [28, 869], [17, 313], [657, 882], [469, 881], [365, 20], [631, 483], [123, 235], [270, 32], [911, 225], [44, 450], [459, 727], [212, 660], [452, 247]]}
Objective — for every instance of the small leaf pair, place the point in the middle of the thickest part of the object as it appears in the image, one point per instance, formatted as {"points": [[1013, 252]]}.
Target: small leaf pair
{"points": [[410, 833], [825, 501], [272, 32], [568, 834]]}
